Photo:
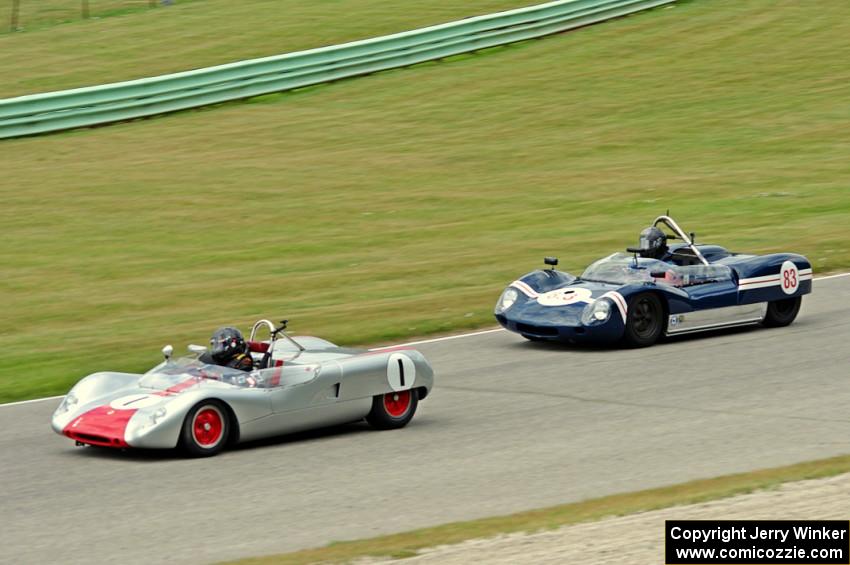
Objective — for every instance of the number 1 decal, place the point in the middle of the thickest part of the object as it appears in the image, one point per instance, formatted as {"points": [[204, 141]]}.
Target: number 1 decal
{"points": [[401, 372], [135, 401]]}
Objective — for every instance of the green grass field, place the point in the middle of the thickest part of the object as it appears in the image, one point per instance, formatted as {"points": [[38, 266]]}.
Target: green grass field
{"points": [[400, 204], [192, 34], [409, 544], [39, 14]]}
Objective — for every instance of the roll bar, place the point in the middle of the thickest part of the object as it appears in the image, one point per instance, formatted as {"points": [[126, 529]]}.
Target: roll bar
{"points": [[680, 233], [257, 325], [273, 331]]}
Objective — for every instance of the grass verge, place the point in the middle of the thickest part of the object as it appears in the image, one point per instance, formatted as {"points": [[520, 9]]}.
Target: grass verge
{"points": [[407, 544], [35, 15], [133, 41], [401, 203]]}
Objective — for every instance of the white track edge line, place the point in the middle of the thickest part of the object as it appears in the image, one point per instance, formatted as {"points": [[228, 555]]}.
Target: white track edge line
{"points": [[831, 276], [19, 402], [436, 339], [420, 342]]}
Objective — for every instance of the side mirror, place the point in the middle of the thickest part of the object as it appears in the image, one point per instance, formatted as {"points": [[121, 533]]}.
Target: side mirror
{"points": [[197, 349], [551, 261], [167, 351], [658, 274]]}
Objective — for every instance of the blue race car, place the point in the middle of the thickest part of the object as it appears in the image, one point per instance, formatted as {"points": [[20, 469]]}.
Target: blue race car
{"points": [[656, 289]]}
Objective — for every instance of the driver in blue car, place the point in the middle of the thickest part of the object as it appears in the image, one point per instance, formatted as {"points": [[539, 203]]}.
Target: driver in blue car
{"points": [[228, 348], [653, 243]]}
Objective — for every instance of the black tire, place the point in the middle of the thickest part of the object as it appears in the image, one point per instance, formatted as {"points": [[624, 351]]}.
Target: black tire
{"points": [[206, 429], [393, 410], [782, 312], [645, 320]]}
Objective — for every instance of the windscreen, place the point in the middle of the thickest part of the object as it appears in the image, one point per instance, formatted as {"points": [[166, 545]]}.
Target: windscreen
{"points": [[179, 374], [187, 371], [621, 269]]}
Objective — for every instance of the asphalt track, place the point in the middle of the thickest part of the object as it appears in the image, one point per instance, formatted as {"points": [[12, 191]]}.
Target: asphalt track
{"points": [[510, 426]]}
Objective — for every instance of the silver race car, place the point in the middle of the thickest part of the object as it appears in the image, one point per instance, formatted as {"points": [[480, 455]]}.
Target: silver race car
{"points": [[297, 383]]}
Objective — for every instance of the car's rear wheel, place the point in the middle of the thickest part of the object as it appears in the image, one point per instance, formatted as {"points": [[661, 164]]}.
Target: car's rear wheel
{"points": [[645, 320], [782, 312], [205, 429], [393, 410]]}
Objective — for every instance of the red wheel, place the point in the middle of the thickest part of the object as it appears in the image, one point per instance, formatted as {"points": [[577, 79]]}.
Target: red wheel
{"points": [[397, 403], [393, 409], [208, 426], [205, 429]]}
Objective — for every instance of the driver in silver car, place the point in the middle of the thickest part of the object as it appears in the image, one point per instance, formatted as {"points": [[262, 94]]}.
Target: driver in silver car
{"points": [[228, 348]]}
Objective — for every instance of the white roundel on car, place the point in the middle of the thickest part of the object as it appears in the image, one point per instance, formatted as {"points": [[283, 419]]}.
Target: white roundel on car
{"points": [[789, 278], [565, 296], [401, 371], [135, 401]]}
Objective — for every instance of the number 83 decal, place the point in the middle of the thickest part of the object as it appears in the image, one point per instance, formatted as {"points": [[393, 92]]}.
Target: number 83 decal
{"points": [[789, 277]]}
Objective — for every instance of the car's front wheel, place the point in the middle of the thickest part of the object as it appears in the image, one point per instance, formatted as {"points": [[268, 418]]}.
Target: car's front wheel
{"points": [[205, 429], [645, 320], [782, 312], [393, 410]]}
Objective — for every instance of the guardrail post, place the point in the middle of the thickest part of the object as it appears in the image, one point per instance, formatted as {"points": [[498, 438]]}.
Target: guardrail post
{"points": [[13, 21]]}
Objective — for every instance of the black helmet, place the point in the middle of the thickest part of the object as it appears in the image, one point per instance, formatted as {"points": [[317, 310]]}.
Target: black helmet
{"points": [[653, 243], [227, 343]]}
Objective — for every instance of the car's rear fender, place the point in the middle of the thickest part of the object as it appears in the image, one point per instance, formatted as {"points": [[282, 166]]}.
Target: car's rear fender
{"points": [[764, 265], [773, 277], [382, 371]]}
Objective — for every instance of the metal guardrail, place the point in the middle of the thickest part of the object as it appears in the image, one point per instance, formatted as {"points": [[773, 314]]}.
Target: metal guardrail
{"points": [[66, 109]]}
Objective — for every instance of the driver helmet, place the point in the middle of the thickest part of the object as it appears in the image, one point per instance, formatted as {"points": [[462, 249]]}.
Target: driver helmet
{"points": [[226, 343], [653, 243]]}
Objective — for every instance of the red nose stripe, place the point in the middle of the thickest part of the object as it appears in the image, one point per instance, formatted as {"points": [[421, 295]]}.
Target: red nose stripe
{"points": [[179, 387], [103, 426]]}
